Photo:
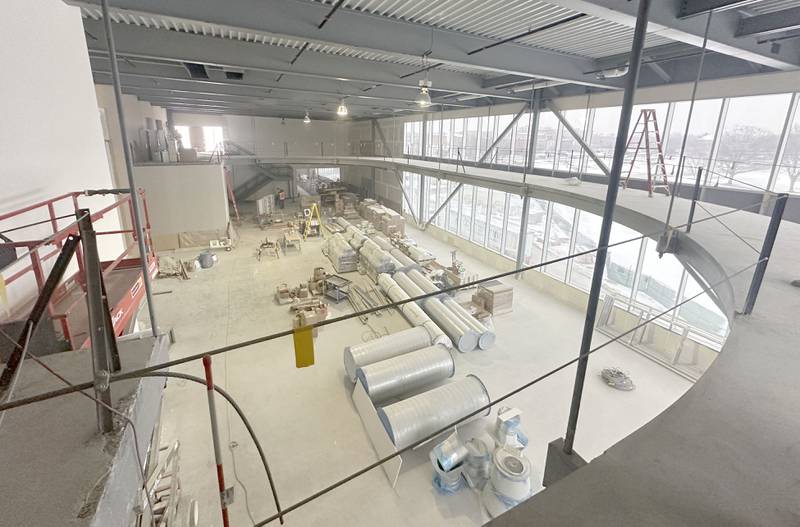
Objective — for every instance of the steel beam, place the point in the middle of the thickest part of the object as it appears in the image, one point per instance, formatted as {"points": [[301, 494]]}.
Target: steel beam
{"points": [[364, 32], [689, 30], [575, 135], [523, 232], [766, 252], [690, 8], [379, 129], [632, 80], [443, 205], [405, 196], [769, 23]]}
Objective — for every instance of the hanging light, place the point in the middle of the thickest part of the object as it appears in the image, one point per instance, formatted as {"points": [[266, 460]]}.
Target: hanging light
{"points": [[341, 111], [307, 119], [424, 97]]}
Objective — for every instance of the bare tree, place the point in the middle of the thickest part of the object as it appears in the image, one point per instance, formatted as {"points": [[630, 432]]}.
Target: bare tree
{"points": [[740, 149]]}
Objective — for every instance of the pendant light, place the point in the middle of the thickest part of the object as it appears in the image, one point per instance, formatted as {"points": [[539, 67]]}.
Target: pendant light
{"points": [[341, 111], [424, 97], [307, 119]]}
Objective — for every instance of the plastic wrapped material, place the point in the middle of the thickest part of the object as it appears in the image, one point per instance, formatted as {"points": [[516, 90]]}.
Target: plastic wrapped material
{"points": [[411, 311], [486, 337], [374, 259], [478, 465], [509, 484], [383, 242], [342, 256], [415, 418], [450, 453], [356, 238], [406, 373], [343, 223], [384, 348], [462, 336], [419, 255], [402, 258]]}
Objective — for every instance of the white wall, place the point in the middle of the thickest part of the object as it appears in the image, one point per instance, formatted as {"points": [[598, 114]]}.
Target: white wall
{"points": [[186, 202], [51, 140], [267, 136], [136, 112]]}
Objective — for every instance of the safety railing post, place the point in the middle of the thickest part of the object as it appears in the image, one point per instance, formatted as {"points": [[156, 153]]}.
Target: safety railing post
{"points": [[695, 197], [766, 251]]}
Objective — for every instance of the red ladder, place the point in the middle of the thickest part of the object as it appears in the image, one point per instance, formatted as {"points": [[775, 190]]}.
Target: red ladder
{"points": [[646, 125]]}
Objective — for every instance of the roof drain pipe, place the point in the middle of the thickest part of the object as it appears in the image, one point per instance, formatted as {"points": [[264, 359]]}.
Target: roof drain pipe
{"points": [[486, 336], [463, 337]]}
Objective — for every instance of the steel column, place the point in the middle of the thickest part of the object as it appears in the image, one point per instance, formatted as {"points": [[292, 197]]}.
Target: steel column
{"points": [[579, 139], [135, 205], [608, 215], [766, 251], [101, 333], [523, 231], [533, 129]]}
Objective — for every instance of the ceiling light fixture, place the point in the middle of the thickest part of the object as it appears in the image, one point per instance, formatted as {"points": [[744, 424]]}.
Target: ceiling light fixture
{"points": [[307, 119], [424, 97], [341, 111], [612, 73]]}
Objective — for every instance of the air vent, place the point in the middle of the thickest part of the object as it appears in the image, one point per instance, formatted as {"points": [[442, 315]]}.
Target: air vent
{"points": [[196, 71], [234, 75]]}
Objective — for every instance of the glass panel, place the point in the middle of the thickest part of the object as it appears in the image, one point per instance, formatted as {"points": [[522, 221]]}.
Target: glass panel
{"points": [[520, 149], [749, 140], [702, 313], [458, 139], [503, 149], [481, 209], [789, 168], [470, 152], [604, 135], [453, 208], [585, 239], [559, 239], [467, 193], [546, 140], [183, 136], [431, 195], [488, 124], [434, 130], [534, 236], [569, 152], [497, 211], [447, 134], [622, 260], [414, 196], [701, 133], [660, 278], [212, 137], [513, 225]]}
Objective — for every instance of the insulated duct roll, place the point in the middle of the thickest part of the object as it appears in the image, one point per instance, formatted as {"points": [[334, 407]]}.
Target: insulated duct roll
{"points": [[463, 337], [343, 223], [486, 336], [357, 238], [378, 260], [411, 311], [406, 373], [342, 256], [384, 348], [402, 257], [383, 242], [415, 418]]}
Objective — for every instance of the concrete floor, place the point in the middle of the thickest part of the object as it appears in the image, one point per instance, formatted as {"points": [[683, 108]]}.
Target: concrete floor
{"points": [[305, 418]]}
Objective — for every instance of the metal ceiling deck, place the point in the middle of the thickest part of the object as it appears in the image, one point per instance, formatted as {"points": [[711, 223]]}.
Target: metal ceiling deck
{"points": [[498, 19]]}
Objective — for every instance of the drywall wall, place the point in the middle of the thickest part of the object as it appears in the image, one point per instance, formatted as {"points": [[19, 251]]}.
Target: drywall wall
{"points": [[51, 137], [186, 202], [136, 115]]}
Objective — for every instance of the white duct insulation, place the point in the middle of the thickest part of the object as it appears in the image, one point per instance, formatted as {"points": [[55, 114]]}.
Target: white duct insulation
{"points": [[378, 260], [384, 348], [383, 242], [343, 223], [406, 373], [486, 336], [402, 258], [463, 337], [415, 418], [412, 312], [421, 256], [356, 237], [343, 257]]}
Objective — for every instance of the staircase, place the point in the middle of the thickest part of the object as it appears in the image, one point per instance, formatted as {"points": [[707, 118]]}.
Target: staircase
{"points": [[266, 175]]}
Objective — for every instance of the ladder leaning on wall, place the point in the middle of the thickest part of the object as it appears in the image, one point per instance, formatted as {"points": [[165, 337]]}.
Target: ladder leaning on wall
{"points": [[646, 131]]}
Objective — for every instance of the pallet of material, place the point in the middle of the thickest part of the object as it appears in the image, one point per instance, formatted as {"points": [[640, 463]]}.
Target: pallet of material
{"points": [[343, 257], [496, 297]]}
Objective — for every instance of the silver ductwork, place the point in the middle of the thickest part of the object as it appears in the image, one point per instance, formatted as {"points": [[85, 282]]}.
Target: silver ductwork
{"points": [[411, 311], [406, 373], [384, 348]]}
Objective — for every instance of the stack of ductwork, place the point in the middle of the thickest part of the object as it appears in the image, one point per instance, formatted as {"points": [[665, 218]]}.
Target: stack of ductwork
{"points": [[375, 260], [486, 337], [411, 311], [343, 257], [355, 237], [389, 346], [463, 336]]}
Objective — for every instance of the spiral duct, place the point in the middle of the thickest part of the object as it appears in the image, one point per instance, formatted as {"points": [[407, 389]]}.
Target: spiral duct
{"points": [[384, 348], [402, 258], [406, 373], [415, 418], [411, 311]]}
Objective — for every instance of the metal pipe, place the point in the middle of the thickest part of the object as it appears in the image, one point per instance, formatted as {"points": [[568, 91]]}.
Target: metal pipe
{"points": [[681, 159], [135, 204], [212, 411], [383, 348], [608, 216], [766, 251], [695, 197]]}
